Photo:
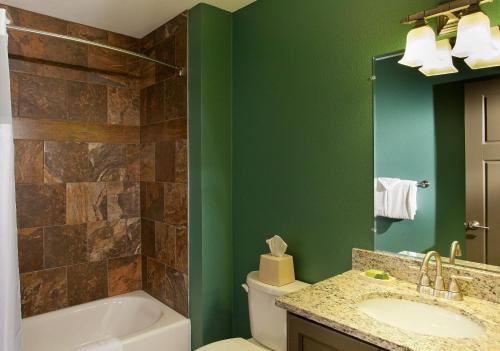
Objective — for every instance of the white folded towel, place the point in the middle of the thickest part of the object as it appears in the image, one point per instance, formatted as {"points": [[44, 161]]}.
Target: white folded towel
{"points": [[395, 198], [109, 344]]}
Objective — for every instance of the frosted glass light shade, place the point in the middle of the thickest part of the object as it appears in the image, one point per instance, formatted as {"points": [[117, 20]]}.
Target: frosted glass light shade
{"points": [[473, 35], [442, 63], [420, 47], [490, 58]]}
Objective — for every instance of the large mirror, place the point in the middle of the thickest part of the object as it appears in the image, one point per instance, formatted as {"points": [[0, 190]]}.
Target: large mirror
{"points": [[438, 140]]}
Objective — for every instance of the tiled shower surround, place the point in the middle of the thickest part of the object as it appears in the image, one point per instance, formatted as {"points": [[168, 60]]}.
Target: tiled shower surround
{"points": [[164, 168], [101, 164]]}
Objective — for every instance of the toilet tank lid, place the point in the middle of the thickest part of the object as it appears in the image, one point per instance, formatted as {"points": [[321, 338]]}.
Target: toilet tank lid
{"points": [[254, 283]]}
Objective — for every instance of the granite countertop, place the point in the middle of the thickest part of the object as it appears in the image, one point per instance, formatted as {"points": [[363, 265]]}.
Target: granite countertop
{"points": [[334, 302]]}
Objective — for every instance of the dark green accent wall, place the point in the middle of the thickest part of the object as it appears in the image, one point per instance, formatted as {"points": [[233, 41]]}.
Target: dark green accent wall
{"points": [[303, 129], [210, 237]]}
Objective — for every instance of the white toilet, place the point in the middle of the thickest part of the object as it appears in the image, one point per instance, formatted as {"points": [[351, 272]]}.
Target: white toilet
{"points": [[267, 322]]}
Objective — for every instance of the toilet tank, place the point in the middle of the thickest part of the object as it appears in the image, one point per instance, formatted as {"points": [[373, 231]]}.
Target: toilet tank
{"points": [[268, 322]]}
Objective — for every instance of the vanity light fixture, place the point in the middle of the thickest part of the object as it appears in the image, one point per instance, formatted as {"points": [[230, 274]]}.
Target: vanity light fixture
{"points": [[476, 41]]}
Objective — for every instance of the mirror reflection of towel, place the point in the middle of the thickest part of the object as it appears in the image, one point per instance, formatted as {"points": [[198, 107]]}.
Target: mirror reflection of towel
{"points": [[395, 198]]}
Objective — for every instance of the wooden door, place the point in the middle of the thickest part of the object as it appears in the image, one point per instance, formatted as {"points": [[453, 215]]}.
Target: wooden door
{"points": [[482, 150]]}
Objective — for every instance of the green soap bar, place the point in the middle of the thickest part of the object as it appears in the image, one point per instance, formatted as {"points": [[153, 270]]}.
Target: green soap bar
{"points": [[377, 274]]}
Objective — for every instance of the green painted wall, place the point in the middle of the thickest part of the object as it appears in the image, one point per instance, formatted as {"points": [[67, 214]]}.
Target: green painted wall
{"points": [[210, 237], [303, 129], [419, 134]]}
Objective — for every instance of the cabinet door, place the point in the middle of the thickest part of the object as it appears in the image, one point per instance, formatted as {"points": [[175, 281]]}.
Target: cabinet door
{"points": [[304, 335]]}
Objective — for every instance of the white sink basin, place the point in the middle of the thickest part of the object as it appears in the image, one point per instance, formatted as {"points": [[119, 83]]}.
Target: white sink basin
{"points": [[421, 318]]}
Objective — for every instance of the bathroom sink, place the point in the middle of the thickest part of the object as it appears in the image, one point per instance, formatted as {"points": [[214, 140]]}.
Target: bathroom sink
{"points": [[421, 318]]}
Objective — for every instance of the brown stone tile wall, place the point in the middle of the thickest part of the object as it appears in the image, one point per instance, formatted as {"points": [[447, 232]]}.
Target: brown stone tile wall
{"points": [[164, 168], [101, 164], [77, 112]]}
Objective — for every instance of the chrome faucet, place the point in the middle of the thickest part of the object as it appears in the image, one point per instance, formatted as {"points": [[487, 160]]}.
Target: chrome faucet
{"points": [[455, 251], [439, 289]]}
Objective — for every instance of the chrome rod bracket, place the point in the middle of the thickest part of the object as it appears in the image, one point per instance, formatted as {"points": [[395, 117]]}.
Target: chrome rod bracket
{"points": [[424, 184]]}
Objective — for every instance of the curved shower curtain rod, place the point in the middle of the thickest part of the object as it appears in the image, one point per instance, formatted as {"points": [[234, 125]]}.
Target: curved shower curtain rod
{"points": [[92, 43]]}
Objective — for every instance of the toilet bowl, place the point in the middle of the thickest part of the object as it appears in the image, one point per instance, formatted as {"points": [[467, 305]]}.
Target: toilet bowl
{"points": [[267, 322]]}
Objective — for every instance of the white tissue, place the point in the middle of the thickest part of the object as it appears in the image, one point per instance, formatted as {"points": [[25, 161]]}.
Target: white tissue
{"points": [[277, 246]]}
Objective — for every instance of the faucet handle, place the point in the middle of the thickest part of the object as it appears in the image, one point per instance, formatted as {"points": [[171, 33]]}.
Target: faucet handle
{"points": [[454, 287], [454, 292]]}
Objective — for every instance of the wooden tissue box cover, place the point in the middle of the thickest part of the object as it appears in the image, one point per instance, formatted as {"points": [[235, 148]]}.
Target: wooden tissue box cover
{"points": [[277, 271]]}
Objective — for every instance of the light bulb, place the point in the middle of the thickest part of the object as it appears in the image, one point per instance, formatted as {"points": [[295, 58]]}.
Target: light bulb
{"points": [[473, 35], [442, 63], [420, 47]]}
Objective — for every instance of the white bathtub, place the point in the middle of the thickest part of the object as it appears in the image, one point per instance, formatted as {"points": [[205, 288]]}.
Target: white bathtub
{"points": [[138, 320]]}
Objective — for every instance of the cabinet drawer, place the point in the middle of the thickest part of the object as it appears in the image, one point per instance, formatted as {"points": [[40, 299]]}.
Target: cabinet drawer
{"points": [[305, 335]]}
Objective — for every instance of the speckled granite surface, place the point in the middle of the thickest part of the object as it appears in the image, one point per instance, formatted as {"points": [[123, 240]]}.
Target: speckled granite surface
{"points": [[485, 284], [458, 262], [334, 303]]}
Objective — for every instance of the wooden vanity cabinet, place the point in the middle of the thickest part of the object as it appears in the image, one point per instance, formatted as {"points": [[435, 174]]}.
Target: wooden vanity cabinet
{"points": [[305, 335]]}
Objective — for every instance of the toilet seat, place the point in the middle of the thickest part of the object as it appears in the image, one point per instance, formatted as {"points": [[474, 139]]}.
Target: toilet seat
{"points": [[238, 344]]}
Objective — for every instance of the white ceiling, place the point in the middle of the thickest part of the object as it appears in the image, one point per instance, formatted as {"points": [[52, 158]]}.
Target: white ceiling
{"points": [[131, 17]]}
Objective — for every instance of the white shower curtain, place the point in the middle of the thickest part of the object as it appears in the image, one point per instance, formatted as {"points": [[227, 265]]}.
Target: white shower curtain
{"points": [[10, 302]]}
